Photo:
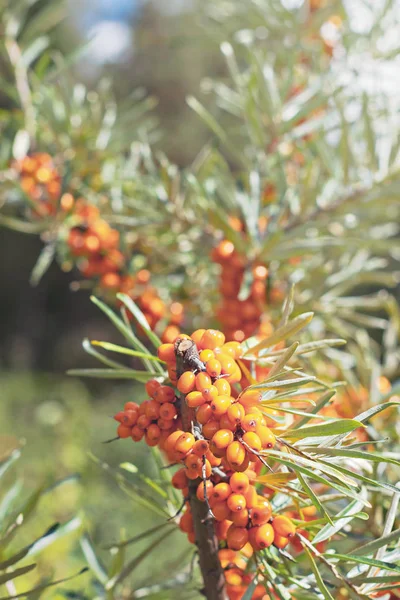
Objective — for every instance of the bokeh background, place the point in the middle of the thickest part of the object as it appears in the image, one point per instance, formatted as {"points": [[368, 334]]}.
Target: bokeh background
{"points": [[168, 48]]}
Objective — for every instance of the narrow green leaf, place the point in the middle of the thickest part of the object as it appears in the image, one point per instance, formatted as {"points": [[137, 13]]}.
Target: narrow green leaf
{"points": [[346, 514], [93, 561], [318, 577], [370, 547], [314, 498], [40, 588], [322, 430], [140, 318], [283, 360], [141, 536], [141, 376], [364, 560], [121, 350], [282, 333], [4, 577]]}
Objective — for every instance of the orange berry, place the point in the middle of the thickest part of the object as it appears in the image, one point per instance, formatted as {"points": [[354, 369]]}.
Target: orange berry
{"points": [[179, 479], [131, 406], [167, 411], [153, 432], [200, 448], [166, 352], [223, 387], [123, 431], [221, 529], [210, 428], [265, 535], [195, 399], [239, 483], [184, 443], [213, 460], [280, 541], [165, 424], [200, 490], [235, 454], [202, 382], [225, 423], [236, 502], [192, 463], [186, 382], [222, 438], [171, 332], [266, 436], [213, 367], [204, 414], [234, 349], [191, 537], [212, 338], [220, 405], [186, 522], [221, 511], [237, 537], [205, 470], [209, 394], [120, 416], [137, 433], [252, 440], [252, 538], [171, 440], [143, 422], [164, 393], [283, 526], [250, 398], [251, 497], [261, 513], [206, 355], [250, 422], [131, 417], [221, 492], [235, 413], [240, 518], [152, 410], [197, 335], [151, 387]]}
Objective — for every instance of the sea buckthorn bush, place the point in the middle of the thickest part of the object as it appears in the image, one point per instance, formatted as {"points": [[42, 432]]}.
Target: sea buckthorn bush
{"points": [[277, 458]]}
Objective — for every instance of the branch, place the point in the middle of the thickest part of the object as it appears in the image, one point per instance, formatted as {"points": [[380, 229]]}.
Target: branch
{"points": [[187, 357]]}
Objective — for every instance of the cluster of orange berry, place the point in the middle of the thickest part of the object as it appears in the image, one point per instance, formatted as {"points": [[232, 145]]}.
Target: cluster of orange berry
{"points": [[40, 181], [223, 453], [239, 318]]}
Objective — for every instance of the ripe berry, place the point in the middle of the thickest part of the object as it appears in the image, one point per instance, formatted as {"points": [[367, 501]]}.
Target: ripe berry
{"points": [[202, 382], [200, 490], [250, 398], [204, 414], [235, 454], [221, 492], [265, 536], [184, 443], [213, 367], [195, 399], [239, 483], [280, 541], [235, 413], [283, 526], [143, 422], [186, 382], [222, 438], [251, 497], [266, 436], [212, 339], [223, 387], [137, 433], [167, 411], [186, 522], [237, 537], [210, 428], [152, 410], [209, 394], [220, 405], [200, 448], [166, 352], [240, 518], [153, 432], [197, 335], [164, 394], [220, 511], [206, 355], [250, 422], [123, 431], [151, 387], [179, 479], [261, 513], [252, 440], [236, 502]]}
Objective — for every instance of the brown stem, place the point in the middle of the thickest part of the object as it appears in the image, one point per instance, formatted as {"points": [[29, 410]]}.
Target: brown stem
{"points": [[187, 358]]}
